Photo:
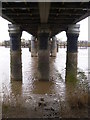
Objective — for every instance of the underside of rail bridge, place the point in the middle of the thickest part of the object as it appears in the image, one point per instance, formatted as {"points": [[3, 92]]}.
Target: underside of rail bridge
{"points": [[43, 20]]}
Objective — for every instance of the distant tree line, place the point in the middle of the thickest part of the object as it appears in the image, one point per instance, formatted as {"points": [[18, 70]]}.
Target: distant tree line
{"points": [[80, 43], [24, 43]]}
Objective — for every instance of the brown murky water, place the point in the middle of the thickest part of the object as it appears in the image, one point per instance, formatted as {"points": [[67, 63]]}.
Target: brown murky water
{"points": [[32, 98]]}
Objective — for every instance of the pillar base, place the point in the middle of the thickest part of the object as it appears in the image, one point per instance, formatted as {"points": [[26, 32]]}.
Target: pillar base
{"points": [[71, 67], [43, 64], [16, 65]]}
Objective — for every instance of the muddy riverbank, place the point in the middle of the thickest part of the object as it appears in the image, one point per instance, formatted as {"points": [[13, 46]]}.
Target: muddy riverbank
{"points": [[54, 98]]}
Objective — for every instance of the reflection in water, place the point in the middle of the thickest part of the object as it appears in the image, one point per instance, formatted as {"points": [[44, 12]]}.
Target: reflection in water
{"points": [[24, 97], [43, 87], [33, 85]]}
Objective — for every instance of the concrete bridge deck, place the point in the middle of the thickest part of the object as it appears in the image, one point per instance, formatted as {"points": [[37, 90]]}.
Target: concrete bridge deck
{"points": [[43, 20], [55, 16]]}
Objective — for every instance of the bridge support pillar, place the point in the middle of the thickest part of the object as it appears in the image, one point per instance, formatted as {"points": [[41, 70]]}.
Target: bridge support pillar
{"points": [[15, 51], [43, 56], [54, 47], [33, 47], [72, 48]]}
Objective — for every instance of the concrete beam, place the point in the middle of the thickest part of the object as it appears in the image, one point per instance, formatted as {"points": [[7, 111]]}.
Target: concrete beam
{"points": [[82, 17], [7, 18], [44, 8]]}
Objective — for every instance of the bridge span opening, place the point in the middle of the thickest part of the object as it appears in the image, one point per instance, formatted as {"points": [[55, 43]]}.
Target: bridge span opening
{"points": [[45, 94]]}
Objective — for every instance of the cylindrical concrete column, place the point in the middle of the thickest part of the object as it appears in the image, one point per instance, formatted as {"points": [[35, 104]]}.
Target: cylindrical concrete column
{"points": [[15, 51], [33, 47], [43, 56], [72, 47], [54, 47], [72, 38]]}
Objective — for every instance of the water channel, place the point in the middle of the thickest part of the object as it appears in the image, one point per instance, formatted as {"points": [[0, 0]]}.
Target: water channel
{"points": [[31, 98]]}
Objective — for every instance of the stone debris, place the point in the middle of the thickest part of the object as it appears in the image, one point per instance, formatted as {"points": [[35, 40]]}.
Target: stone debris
{"points": [[42, 104], [42, 99], [52, 109]]}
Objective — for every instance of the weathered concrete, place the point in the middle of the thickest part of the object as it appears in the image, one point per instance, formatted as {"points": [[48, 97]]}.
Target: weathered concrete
{"points": [[72, 37], [72, 47], [15, 51], [43, 64], [43, 56], [54, 47], [71, 67], [33, 47]]}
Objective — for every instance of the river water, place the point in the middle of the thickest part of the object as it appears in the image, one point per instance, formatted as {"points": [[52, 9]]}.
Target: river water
{"points": [[54, 98]]}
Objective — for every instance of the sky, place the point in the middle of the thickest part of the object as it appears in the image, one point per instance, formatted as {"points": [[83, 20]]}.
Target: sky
{"points": [[4, 35], [83, 35]]}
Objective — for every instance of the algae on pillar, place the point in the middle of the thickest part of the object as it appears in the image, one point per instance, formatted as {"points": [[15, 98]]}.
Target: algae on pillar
{"points": [[15, 51], [72, 49]]}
